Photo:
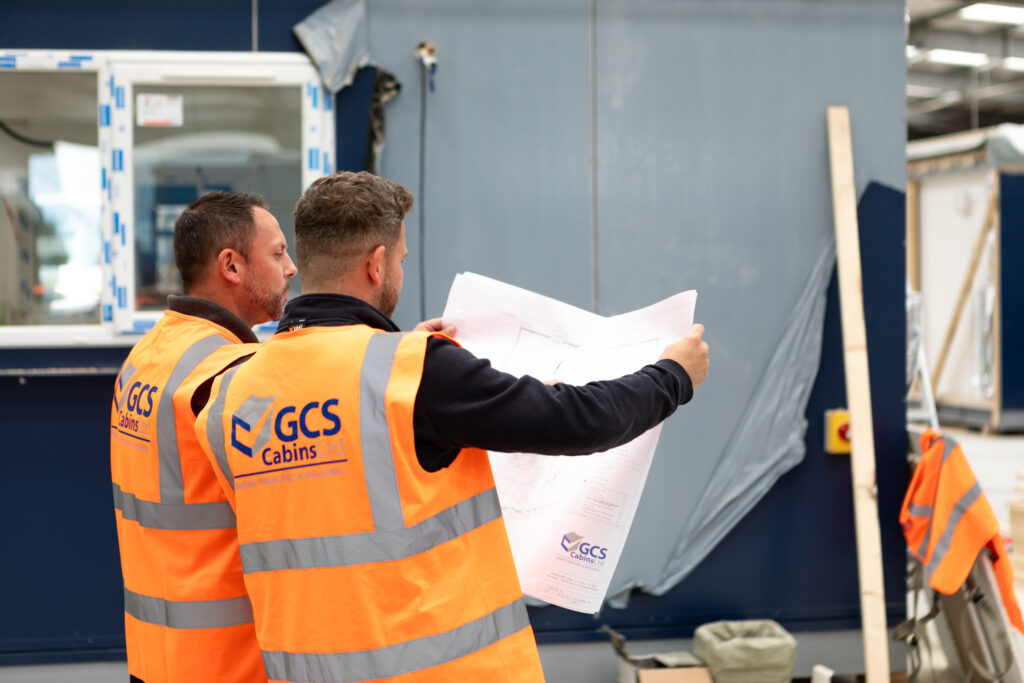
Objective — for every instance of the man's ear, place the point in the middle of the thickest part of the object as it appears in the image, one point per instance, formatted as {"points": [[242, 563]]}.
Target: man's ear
{"points": [[377, 265], [231, 266]]}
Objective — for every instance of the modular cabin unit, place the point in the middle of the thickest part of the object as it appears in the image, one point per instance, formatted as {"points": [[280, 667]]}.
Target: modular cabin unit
{"points": [[965, 237]]}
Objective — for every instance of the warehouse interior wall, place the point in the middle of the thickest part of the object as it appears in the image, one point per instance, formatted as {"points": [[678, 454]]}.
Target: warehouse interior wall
{"points": [[606, 153]]}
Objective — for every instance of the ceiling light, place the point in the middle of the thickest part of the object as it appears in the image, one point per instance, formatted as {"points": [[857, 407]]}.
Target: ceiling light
{"points": [[993, 14], [912, 52], [923, 91], [1014, 63], [957, 57]]}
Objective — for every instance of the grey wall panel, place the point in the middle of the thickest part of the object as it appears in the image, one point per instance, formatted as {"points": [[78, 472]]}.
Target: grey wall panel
{"points": [[712, 173], [507, 145]]}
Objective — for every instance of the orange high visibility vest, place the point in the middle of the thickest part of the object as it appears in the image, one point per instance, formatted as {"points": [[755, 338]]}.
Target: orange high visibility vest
{"points": [[187, 616], [360, 564], [947, 521]]}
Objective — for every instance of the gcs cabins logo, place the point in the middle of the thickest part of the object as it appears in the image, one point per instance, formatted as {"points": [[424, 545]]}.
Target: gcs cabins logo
{"points": [[582, 551], [291, 434]]}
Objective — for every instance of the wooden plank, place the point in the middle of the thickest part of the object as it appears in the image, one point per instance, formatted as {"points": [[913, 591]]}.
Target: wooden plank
{"points": [[914, 234], [858, 397], [965, 286]]}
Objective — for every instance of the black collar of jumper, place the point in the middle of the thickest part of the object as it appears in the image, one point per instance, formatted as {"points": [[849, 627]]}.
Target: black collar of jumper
{"points": [[332, 310]]}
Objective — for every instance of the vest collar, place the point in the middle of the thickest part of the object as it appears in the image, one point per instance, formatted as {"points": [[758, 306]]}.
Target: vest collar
{"points": [[215, 313], [328, 310]]}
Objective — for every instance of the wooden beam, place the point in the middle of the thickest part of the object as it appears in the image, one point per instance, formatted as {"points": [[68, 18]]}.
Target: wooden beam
{"points": [[858, 397], [913, 243], [965, 286]]}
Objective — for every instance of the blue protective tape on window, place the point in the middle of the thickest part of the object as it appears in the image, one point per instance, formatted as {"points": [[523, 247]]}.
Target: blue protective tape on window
{"points": [[104, 115]]}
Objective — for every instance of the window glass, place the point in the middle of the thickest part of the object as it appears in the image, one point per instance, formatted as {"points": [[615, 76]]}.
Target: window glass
{"points": [[190, 140], [50, 242]]}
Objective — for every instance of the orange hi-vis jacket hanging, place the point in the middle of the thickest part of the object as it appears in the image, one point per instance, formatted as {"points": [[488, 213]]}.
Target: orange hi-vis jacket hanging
{"points": [[361, 565], [947, 521], [187, 616]]}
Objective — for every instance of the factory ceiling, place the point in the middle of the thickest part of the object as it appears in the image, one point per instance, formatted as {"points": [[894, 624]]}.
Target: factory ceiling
{"points": [[965, 65]]}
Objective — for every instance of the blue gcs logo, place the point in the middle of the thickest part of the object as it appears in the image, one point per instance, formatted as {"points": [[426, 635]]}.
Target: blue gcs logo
{"points": [[578, 549]]}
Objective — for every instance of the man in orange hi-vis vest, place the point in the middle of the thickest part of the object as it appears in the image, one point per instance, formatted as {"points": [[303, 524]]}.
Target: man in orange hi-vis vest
{"points": [[187, 615], [947, 521], [371, 538]]}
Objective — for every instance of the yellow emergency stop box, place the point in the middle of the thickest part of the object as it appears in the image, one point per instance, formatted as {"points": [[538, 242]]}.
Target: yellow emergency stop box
{"points": [[837, 430]]}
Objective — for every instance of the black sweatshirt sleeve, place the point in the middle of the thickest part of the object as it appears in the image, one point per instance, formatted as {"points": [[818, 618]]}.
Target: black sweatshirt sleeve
{"points": [[462, 401]]}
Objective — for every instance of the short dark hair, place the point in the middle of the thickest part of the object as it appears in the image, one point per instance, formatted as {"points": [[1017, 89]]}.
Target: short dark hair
{"points": [[342, 216], [212, 223]]}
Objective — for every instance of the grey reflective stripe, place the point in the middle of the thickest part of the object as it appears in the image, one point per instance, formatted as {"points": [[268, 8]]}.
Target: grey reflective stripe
{"points": [[215, 426], [172, 487], [402, 658], [920, 510], [178, 516], [969, 498], [375, 441], [947, 449], [188, 614], [123, 381], [372, 546], [948, 446]]}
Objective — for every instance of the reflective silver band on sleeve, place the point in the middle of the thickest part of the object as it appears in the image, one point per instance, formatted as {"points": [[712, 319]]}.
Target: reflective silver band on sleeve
{"points": [[969, 498], [948, 446], [372, 546], [188, 614], [172, 486], [374, 438], [402, 658], [920, 510], [215, 426], [176, 516]]}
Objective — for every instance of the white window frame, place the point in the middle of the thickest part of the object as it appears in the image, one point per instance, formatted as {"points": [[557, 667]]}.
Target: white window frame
{"points": [[117, 72]]}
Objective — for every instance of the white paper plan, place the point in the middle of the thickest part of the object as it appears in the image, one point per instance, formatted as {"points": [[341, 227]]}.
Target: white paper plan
{"points": [[567, 516]]}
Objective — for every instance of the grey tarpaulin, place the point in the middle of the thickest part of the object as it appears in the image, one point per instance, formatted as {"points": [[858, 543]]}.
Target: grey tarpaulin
{"points": [[335, 37], [767, 443]]}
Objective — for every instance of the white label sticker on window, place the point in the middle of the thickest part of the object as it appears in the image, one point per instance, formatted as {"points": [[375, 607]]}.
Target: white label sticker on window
{"points": [[156, 109]]}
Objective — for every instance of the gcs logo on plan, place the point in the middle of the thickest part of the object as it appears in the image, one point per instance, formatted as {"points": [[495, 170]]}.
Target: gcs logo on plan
{"points": [[578, 549]]}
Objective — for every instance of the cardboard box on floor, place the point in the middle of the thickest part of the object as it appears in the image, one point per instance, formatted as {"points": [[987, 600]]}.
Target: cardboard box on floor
{"points": [[665, 667], [692, 674]]}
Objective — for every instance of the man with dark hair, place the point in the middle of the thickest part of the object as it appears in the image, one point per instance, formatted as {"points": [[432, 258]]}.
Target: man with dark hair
{"points": [[370, 533], [187, 615]]}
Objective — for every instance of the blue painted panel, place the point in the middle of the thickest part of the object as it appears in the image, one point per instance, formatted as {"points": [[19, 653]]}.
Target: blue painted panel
{"points": [[127, 25], [61, 574], [1011, 282], [507, 143]]}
